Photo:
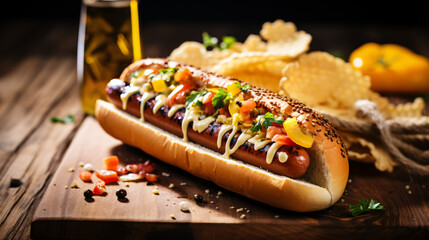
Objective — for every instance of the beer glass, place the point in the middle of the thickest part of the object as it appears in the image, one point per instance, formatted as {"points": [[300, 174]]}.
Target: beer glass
{"points": [[105, 46]]}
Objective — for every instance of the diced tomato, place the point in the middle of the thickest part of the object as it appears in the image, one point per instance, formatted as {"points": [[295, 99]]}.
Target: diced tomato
{"points": [[183, 75], [283, 139], [150, 177], [138, 167], [208, 97], [121, 171], [111, 163], [107, 176], [208, 109], [99, 188], [247, 105], [273, 130], [178, 95], [85, 176]]}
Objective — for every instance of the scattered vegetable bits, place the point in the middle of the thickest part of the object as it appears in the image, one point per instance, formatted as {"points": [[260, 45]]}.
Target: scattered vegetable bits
{"points": [[111, 163], [99, 188]]}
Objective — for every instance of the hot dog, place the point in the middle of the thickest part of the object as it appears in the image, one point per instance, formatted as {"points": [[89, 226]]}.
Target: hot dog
{"points": [[246, 139], [295, 166]]}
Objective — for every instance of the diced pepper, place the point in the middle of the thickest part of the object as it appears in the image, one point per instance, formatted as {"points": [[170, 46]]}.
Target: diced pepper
{"points": [[233, 89], [180, 90], [111, 163], [294, 132], [150, 177], [283, 139], [208, 97], [99, 188], [246, 106], [85, 176], [273, 130], [159, 84], [107, 176], [233, 107], [182, 75], [139, 167]]}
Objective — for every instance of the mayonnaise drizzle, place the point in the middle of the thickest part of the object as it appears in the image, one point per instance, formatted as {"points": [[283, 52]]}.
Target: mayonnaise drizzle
{"points": [[161, 99], [283, 157], [145, 97], [128, 92], [258, 142], [272, 151], [193, 115], [240, 141], [223, 129], [174, 109]]}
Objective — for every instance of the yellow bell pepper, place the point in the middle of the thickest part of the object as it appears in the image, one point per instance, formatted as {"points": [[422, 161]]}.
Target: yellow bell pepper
{"points": [[295, 134], [233, 89], [159, 85], [392, 68]]}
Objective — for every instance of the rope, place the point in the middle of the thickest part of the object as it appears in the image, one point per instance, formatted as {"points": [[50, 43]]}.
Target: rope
{"points": [[394, 134]]}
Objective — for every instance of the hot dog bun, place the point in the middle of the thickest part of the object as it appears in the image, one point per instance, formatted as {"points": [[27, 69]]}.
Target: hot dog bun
{"points": [[321, 186]]}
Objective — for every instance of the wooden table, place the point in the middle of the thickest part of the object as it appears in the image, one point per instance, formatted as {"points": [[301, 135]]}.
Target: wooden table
{"points": [[38, 81]]}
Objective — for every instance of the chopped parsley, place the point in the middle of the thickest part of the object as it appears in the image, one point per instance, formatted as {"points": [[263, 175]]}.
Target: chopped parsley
{"points": [[212, 42], [220, 99], [244, 88], [364, 206], [194, 99], [68, 119], [266, 121], [165, 74]]}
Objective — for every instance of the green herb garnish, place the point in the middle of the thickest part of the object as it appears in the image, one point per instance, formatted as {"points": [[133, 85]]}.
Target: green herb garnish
{"points": [[194, 99], [266, 121], [364, 206], [227, 42], [243, 88], [213, 42], [68, 119], [220, 99], [165, 74]]}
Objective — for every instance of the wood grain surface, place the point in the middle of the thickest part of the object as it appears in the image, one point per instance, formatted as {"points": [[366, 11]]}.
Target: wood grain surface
{"points": [[63, 211], [38, 81]]}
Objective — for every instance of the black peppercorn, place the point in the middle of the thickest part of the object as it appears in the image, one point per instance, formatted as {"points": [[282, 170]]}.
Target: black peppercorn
{"points": [[88, 193], [121, 193], [198, 198]]}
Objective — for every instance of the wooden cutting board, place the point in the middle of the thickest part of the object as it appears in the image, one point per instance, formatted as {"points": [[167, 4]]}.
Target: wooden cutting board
{"points": [[64, 213]]}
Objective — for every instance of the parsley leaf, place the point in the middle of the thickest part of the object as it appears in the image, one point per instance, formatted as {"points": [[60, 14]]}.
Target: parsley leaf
{"points": [[266, 122], [68, 119], [242, 88], [364, 206], [220, 99], [194, 98]]}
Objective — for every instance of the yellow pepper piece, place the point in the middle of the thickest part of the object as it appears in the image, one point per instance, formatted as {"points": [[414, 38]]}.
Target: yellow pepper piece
{"points": [[294, 132], [392, 68], [212, 90], [233, 89], [159, 85], [233, 107]]}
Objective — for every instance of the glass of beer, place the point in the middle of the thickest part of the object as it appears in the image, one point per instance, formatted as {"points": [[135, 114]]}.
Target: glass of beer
{"points": [[105, 46]]}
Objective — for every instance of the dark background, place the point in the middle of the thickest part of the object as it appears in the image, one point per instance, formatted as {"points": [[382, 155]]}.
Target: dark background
{"points": [[350, 12], [334, 26]]}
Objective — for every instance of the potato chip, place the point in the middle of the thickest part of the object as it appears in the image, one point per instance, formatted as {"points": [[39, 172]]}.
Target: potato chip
{"points": [[194, 53], [363, 150], [323, 81], [279, 43]]}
